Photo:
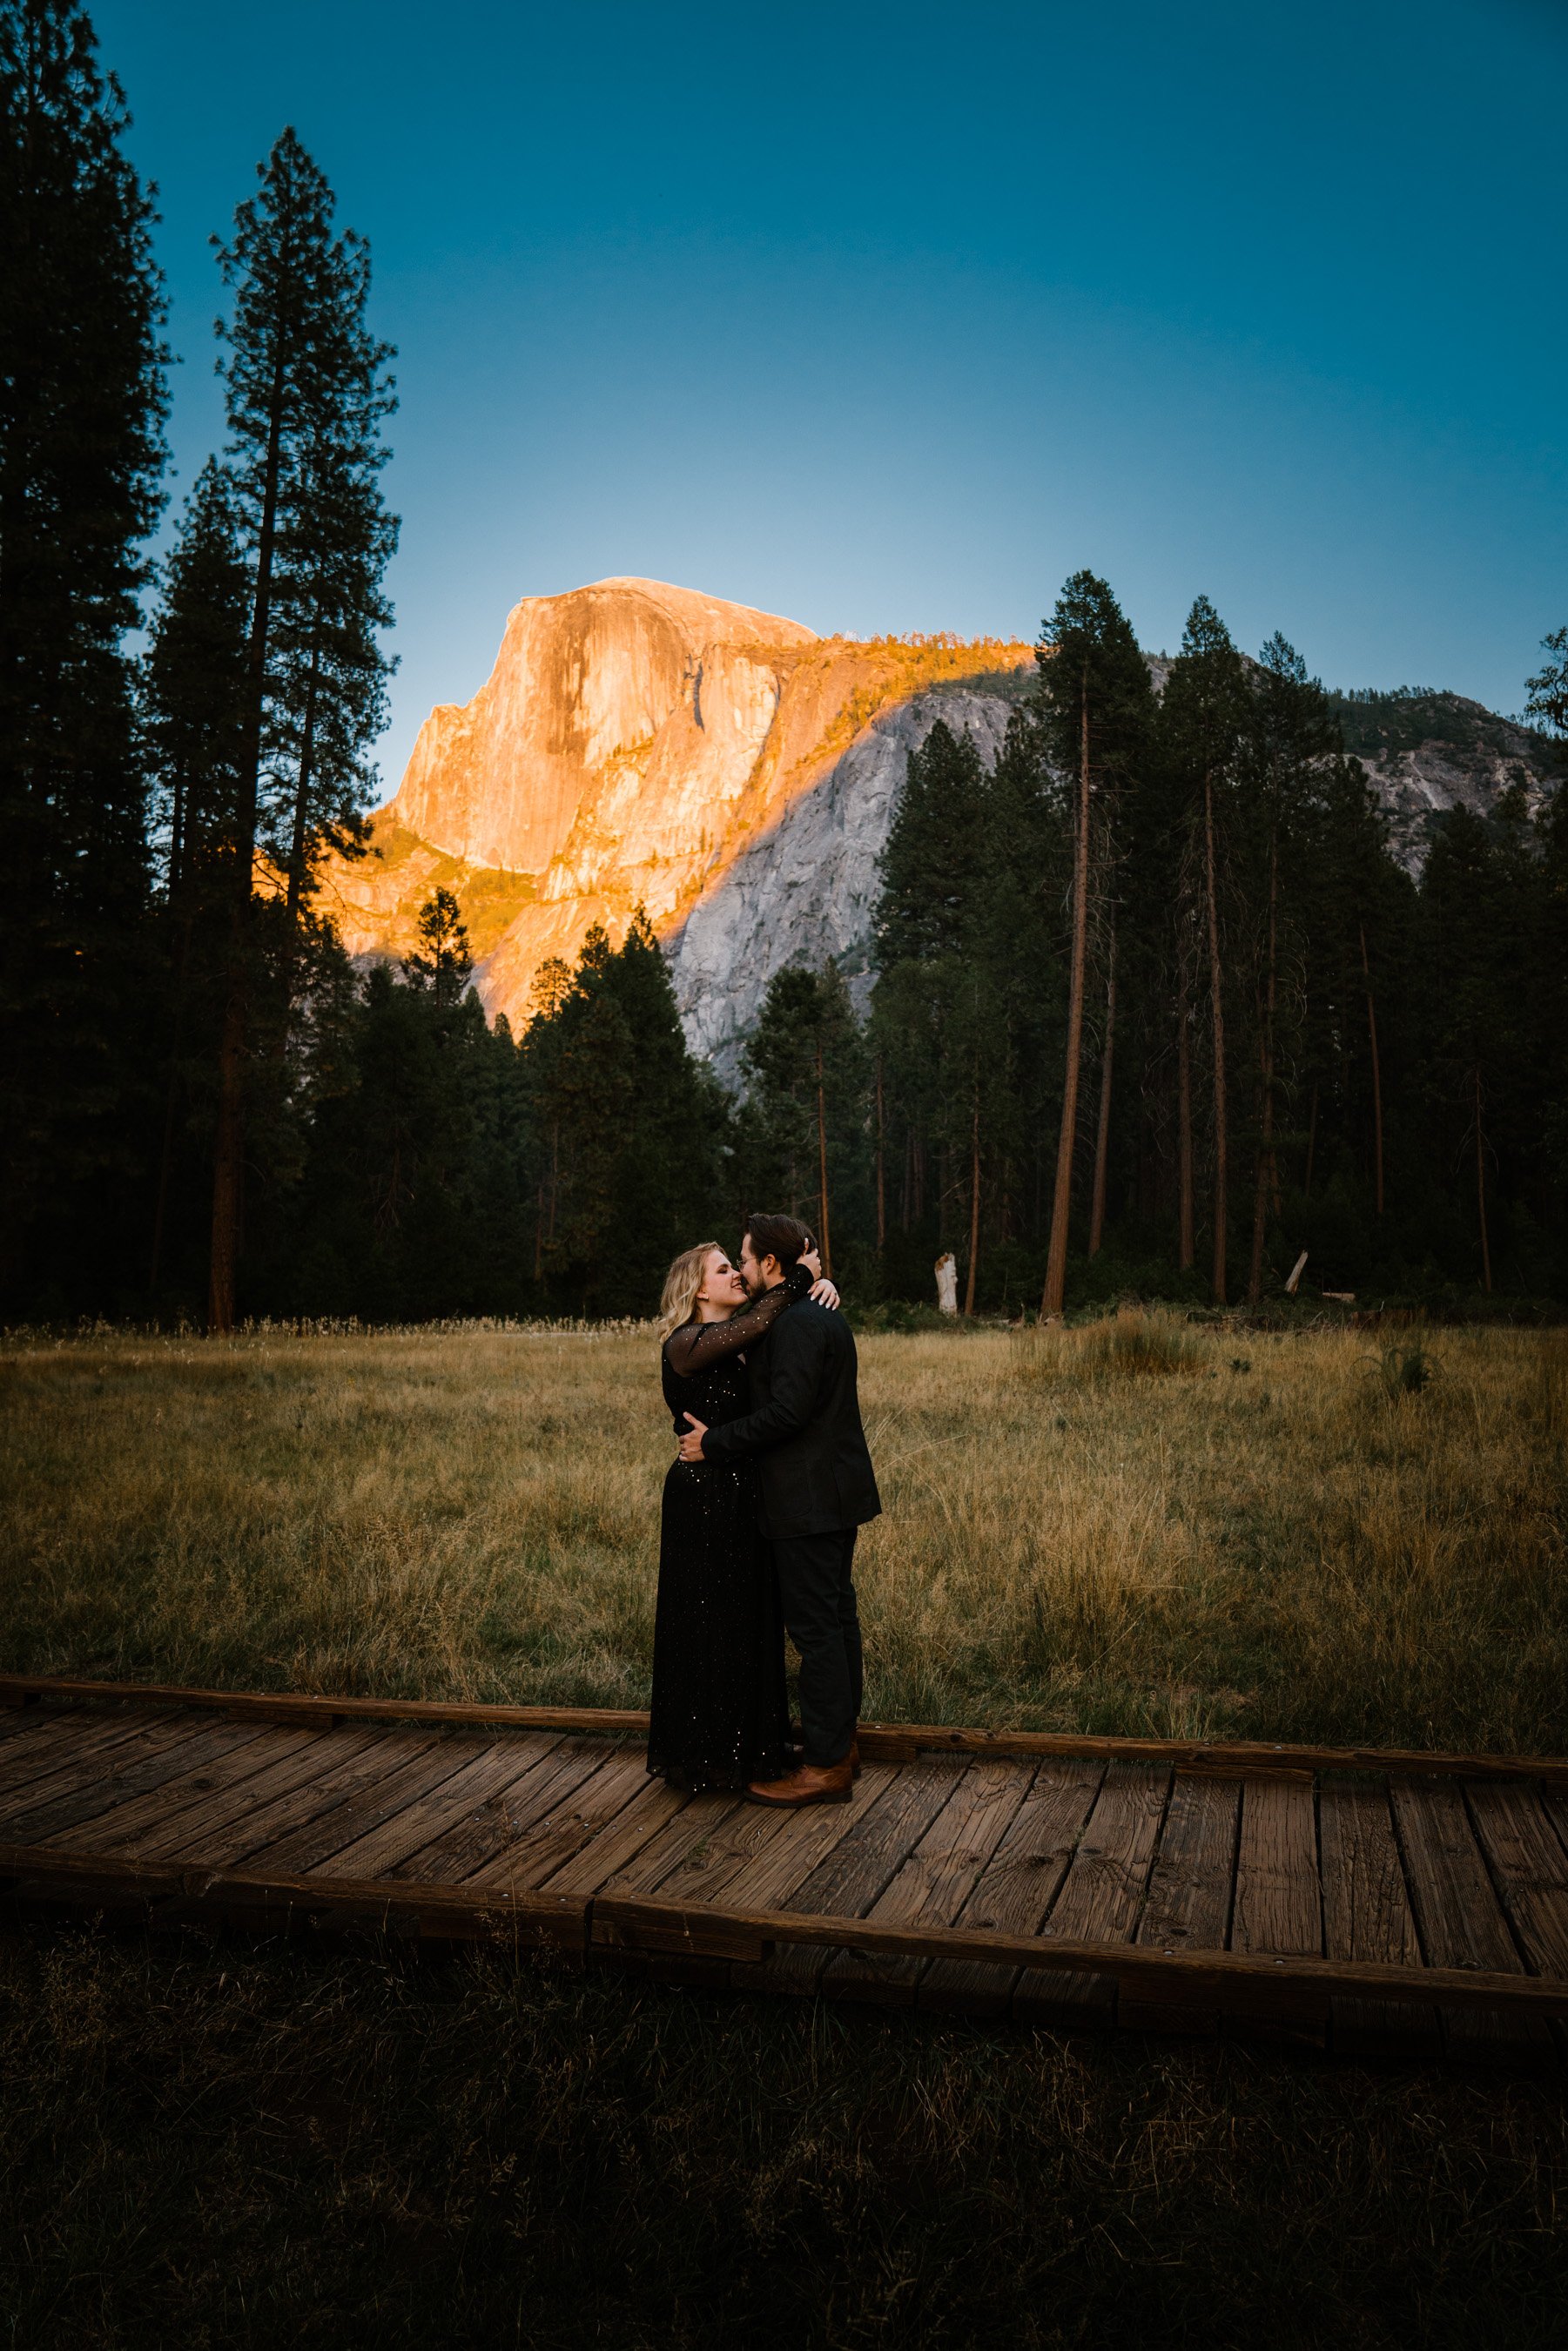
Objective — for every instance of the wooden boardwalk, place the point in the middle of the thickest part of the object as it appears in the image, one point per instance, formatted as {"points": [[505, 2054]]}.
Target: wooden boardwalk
{"points": [[1365, 1900]]}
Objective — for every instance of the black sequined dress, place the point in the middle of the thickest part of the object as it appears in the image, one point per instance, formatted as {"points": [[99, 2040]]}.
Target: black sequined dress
{"points": [[720, 1716]]}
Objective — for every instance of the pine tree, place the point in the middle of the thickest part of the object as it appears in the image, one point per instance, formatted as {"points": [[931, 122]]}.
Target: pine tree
{"points": [[1098, 711], [1203, 717], [192, 725], [82, 404], [1547, 689], [306, 391], [1292, 731], [441, 961], [629, 1131], [807, 1125]]}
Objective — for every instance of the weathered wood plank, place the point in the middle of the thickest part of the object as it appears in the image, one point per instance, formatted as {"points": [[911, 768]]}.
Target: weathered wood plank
{"points": [[1461, 1922], [890, 1741], [487, 1768], [42, 1746], [160, 1752], [1189, 1896], [1278, 1902], [848, 1877], [783, 1849], [210, 1819], [678, 1842], [1278, 1907], [308, 1848], [1018, 1885], [298, 1706], [575, 1815], [495, 1830], [179, 1805], [1264, 1982], [633, 1825], [1367, 1915], [356, 1763], [68, 1749], [931, 1886], [1529, 1870], [1101, 1894], [170, 1893]]}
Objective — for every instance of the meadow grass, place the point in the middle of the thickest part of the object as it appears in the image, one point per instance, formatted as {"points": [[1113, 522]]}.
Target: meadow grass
{"points": [[1136, 1525]]}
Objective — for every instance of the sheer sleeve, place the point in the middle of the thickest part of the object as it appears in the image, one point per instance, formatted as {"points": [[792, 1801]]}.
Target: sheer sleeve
{"points": [[697, 1345]]}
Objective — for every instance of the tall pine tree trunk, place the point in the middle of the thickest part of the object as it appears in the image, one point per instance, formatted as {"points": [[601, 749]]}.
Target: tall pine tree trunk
{"points": [[1267, 1181], [1062, 1201], [1481, 1184], [974, 1202], [881, 1188], [166, 1149], [1102, 1131], [824, 1236], [1186, 1225], [1217, 1009], [1376, 1075], [228, 1166]]}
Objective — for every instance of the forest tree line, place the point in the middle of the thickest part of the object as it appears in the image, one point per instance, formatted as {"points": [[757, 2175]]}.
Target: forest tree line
{"points": [[1154, 1006]]}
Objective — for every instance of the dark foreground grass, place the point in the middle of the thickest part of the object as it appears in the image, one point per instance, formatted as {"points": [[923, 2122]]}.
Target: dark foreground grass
{"points": [[221, 2143]]}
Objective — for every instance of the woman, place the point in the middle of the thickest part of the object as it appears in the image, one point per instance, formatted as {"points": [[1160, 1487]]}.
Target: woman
{"points": [[720, 1717]]}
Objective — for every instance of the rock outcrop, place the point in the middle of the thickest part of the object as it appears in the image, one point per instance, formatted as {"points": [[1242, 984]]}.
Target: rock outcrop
{"points": [[639, 745], [735, 775], [1429, 752]]}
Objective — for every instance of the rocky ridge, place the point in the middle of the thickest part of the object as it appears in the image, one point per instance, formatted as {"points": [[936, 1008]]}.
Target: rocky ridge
{"points": [[735, 775], [639, 745]]}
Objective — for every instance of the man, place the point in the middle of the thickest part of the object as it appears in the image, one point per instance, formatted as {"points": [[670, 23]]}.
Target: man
{"points": [[817, 1488]]}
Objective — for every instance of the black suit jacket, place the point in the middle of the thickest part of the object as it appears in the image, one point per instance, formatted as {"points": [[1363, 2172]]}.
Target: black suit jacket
{"points": [[804, 1427]]}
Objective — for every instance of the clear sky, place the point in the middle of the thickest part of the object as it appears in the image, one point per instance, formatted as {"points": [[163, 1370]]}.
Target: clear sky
{"points": [[887, 317]]}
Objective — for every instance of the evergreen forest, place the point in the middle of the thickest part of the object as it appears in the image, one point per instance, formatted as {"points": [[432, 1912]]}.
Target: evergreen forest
{"points": [[1154, 1007]]}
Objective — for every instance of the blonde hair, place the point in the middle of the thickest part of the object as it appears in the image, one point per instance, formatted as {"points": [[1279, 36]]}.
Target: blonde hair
{"points": [[682, 1283]]}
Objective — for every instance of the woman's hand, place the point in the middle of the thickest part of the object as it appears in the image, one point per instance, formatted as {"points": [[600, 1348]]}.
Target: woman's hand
{"points": [[823, 1292], [810, 1259]]}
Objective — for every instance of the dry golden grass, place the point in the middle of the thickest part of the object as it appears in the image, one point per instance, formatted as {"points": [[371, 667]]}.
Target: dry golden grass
{"points": [[1127, 1527]]}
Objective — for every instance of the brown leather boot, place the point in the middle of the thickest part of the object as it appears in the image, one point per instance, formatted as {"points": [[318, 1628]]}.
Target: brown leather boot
{"points": [[813, 1783]]}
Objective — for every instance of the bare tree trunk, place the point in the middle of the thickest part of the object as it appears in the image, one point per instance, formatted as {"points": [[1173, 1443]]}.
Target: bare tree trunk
{"points": [[1186, 1230], [1062, 1201], [1481, 1185], [1268, 1180], [166, 1151], [974, 1203], [1102, 1131], [881, 1191], [1216, 1008], [823, 1236], [228, 1158], [1376, 1074]]}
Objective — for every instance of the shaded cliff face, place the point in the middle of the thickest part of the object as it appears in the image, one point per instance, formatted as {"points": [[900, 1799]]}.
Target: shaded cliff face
{"points": [[1429, 752], [640, 744]]}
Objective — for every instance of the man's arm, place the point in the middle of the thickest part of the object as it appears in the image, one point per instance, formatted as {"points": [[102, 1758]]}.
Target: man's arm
{"points": [[799, 1343]]}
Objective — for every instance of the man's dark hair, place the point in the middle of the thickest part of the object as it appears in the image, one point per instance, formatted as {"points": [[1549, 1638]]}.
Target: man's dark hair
{"points": [[785, 1238]]}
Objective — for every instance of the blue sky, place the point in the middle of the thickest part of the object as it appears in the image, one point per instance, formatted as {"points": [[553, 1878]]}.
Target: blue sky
{"points": [[888, 316]]}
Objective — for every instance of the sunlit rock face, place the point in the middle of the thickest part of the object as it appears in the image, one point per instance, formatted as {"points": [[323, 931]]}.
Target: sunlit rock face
{"points": [[641, 745]]}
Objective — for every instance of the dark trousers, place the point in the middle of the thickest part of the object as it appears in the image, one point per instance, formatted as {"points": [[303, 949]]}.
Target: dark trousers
{"points": [[817, 1590]]}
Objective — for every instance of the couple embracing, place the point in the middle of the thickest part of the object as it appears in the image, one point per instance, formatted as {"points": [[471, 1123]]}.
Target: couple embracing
{"points": [[760, 1511]]}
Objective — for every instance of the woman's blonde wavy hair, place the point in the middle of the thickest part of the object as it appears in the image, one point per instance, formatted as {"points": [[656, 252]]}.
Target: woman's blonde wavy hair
{"points": [[682, 1283]]}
